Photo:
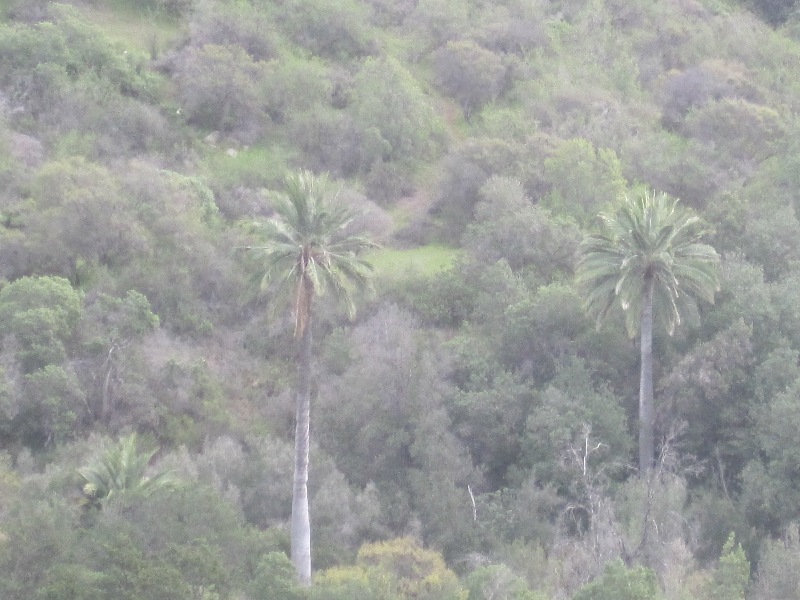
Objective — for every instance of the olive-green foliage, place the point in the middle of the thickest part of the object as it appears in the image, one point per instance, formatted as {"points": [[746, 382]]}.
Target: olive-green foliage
{"points": [[619, 582], [170, 8], [769, 239], [778, 573], [519, 516], [295, 85], [66, 75], [715, 379], [275, 579], [130, 573], [748, 131], [667, 161], [381, 125], [189, 543], [442, 300], [124, 318], [498, 582], [72, 50], [354, 583], [73, 581], [186, 275], [768, 483], [489, 412], [470, 74], [332, 30], [568, 415], [79, 221], [464, 171], [188, 403], [540, 330], [41, 313], [417, 572], [39, 538], [223, 88], [39, 318], [397, 569], [394, 112], [508, 225], [233, 24], [394, 448], [50, 406], [584, 180], [745, 295]]}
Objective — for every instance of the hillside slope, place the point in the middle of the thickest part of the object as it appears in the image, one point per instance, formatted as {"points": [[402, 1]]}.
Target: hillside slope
{"points": [[472, 404]]}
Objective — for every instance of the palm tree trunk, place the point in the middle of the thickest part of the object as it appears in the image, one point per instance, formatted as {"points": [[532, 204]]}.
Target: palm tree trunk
{"points": [[646, 416], [301, 524]]}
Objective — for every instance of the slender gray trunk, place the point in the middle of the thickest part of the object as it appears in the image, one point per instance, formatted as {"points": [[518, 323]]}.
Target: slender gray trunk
{"points": [[646, 415], [301, 524]]}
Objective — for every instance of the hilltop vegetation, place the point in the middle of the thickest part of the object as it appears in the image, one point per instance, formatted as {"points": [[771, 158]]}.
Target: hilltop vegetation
{"points": [[474, 432]]}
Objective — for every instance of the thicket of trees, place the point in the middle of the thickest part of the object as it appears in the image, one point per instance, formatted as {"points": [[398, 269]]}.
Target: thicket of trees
{"points": [[474, 433]]}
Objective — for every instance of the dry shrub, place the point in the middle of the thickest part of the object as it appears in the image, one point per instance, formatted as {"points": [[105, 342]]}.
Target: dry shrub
{"points": [[699, 84]]}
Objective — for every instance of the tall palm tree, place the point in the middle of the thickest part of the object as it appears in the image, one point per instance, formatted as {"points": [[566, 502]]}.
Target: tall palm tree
{"points": [[309, 249], [648, 255]]}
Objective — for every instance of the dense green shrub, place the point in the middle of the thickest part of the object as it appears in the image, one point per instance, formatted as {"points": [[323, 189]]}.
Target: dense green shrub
{"points": [[396, 115], [275, 579], [584, 180], [242, 24], [414, 571], [749, 132], [699, 84], [72, 49], [472, 75], [619, 582], [499, 583], [462, 174], [222, 88], [509, 226], [41, 313], [778, 574], [333, 30]]}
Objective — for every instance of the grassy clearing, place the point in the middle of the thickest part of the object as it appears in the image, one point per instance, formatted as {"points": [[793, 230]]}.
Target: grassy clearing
{"points": [[392, 263], [254, 167], [134, 25]]}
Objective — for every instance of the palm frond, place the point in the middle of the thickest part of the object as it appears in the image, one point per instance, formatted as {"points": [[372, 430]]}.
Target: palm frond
{"points": [[122, 469]]}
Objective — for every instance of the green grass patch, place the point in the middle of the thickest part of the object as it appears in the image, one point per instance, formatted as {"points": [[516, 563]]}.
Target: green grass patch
{"points": [[255, 167], [134, 25], [393, 263]]}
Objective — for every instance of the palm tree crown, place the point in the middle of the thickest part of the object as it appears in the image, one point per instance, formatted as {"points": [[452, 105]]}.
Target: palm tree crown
{"points": [[649, 241], [309, 246]]}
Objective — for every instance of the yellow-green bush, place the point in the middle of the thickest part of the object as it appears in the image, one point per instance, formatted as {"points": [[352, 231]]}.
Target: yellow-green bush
{"points": [[397, 569]]}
